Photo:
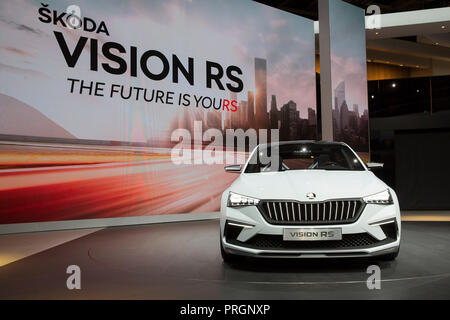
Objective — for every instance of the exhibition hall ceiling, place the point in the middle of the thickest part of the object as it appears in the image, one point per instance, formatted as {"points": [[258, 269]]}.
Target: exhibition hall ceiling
{"points": [[309, 8]]}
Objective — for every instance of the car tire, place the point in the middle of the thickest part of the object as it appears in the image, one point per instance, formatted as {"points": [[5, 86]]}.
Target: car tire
{"points": [[227, 257], [390, 256]]}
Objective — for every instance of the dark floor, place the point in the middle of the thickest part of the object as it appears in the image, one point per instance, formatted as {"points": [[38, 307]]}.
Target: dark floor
{"points": [[182, 261]]}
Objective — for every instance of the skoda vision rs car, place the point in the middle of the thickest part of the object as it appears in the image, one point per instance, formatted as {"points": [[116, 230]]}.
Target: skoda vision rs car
{"points": [[306, 199]]}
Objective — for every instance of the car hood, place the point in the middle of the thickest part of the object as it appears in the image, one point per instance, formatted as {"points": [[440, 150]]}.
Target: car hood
{"points": [[295, 184]]}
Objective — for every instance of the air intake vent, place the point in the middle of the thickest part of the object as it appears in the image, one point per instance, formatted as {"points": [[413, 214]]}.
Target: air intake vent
{"points": [[298, 213], [275, 242]]}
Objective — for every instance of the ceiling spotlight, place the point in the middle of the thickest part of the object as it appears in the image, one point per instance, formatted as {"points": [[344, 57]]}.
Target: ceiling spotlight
{"points": [[394, 85], [372, 96]]}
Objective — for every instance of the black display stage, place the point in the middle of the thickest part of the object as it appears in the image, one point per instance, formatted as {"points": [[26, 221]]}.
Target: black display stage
{"points": [[182, 261]]}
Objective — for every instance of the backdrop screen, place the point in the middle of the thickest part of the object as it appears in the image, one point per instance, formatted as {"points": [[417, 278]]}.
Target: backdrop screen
{"points": [[349, 76], [93, 98]]}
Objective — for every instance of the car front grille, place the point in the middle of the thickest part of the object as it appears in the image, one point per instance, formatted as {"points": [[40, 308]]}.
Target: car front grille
{"points": [[301, 213]]}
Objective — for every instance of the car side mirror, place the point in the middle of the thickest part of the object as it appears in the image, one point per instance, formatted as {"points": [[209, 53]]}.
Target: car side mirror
{"points": [[234, 168], [374, 165]]}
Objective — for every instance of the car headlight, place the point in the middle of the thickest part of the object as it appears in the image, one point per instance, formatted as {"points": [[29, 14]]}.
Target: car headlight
{"points": [[383, 197], [237, 200]]}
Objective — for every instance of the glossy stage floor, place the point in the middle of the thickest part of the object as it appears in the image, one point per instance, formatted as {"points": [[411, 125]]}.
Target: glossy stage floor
{"points": [[182, 261]]}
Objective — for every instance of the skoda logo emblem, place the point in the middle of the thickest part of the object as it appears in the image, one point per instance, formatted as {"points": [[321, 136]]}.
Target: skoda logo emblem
{"points": [[311, 195]]}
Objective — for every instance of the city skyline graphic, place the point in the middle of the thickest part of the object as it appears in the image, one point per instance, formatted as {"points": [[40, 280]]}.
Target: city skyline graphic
{"points": [[349, 76], [255, 113], [348, 124]]}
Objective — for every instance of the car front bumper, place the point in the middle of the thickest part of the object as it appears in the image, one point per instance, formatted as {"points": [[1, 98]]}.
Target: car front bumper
{"points": [[376, 232]]}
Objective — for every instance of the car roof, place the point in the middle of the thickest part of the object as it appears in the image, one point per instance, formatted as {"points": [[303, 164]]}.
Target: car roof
{"points": [[302, 141]]}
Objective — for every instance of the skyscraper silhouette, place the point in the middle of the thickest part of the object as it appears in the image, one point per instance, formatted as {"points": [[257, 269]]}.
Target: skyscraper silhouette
{"points": [[312, 119], [274, 117], [261, 93], [339, 94], [231, 117], [289, 121], [345, 116], [214, 119], [243, 114], [251, 109], [339, 100]]}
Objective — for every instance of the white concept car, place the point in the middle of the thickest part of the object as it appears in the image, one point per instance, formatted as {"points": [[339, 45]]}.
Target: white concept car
{"points": [[306, 199]]}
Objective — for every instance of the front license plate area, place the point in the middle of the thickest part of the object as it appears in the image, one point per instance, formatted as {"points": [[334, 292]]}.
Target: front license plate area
{"points": [[316, 234]]}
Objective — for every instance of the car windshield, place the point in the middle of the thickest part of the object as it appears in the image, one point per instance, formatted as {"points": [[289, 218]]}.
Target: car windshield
{"points": [[303, 156]]}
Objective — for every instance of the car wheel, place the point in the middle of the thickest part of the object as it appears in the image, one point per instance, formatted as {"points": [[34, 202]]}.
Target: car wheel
{"points": [[390, 256], [227, 257]]}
